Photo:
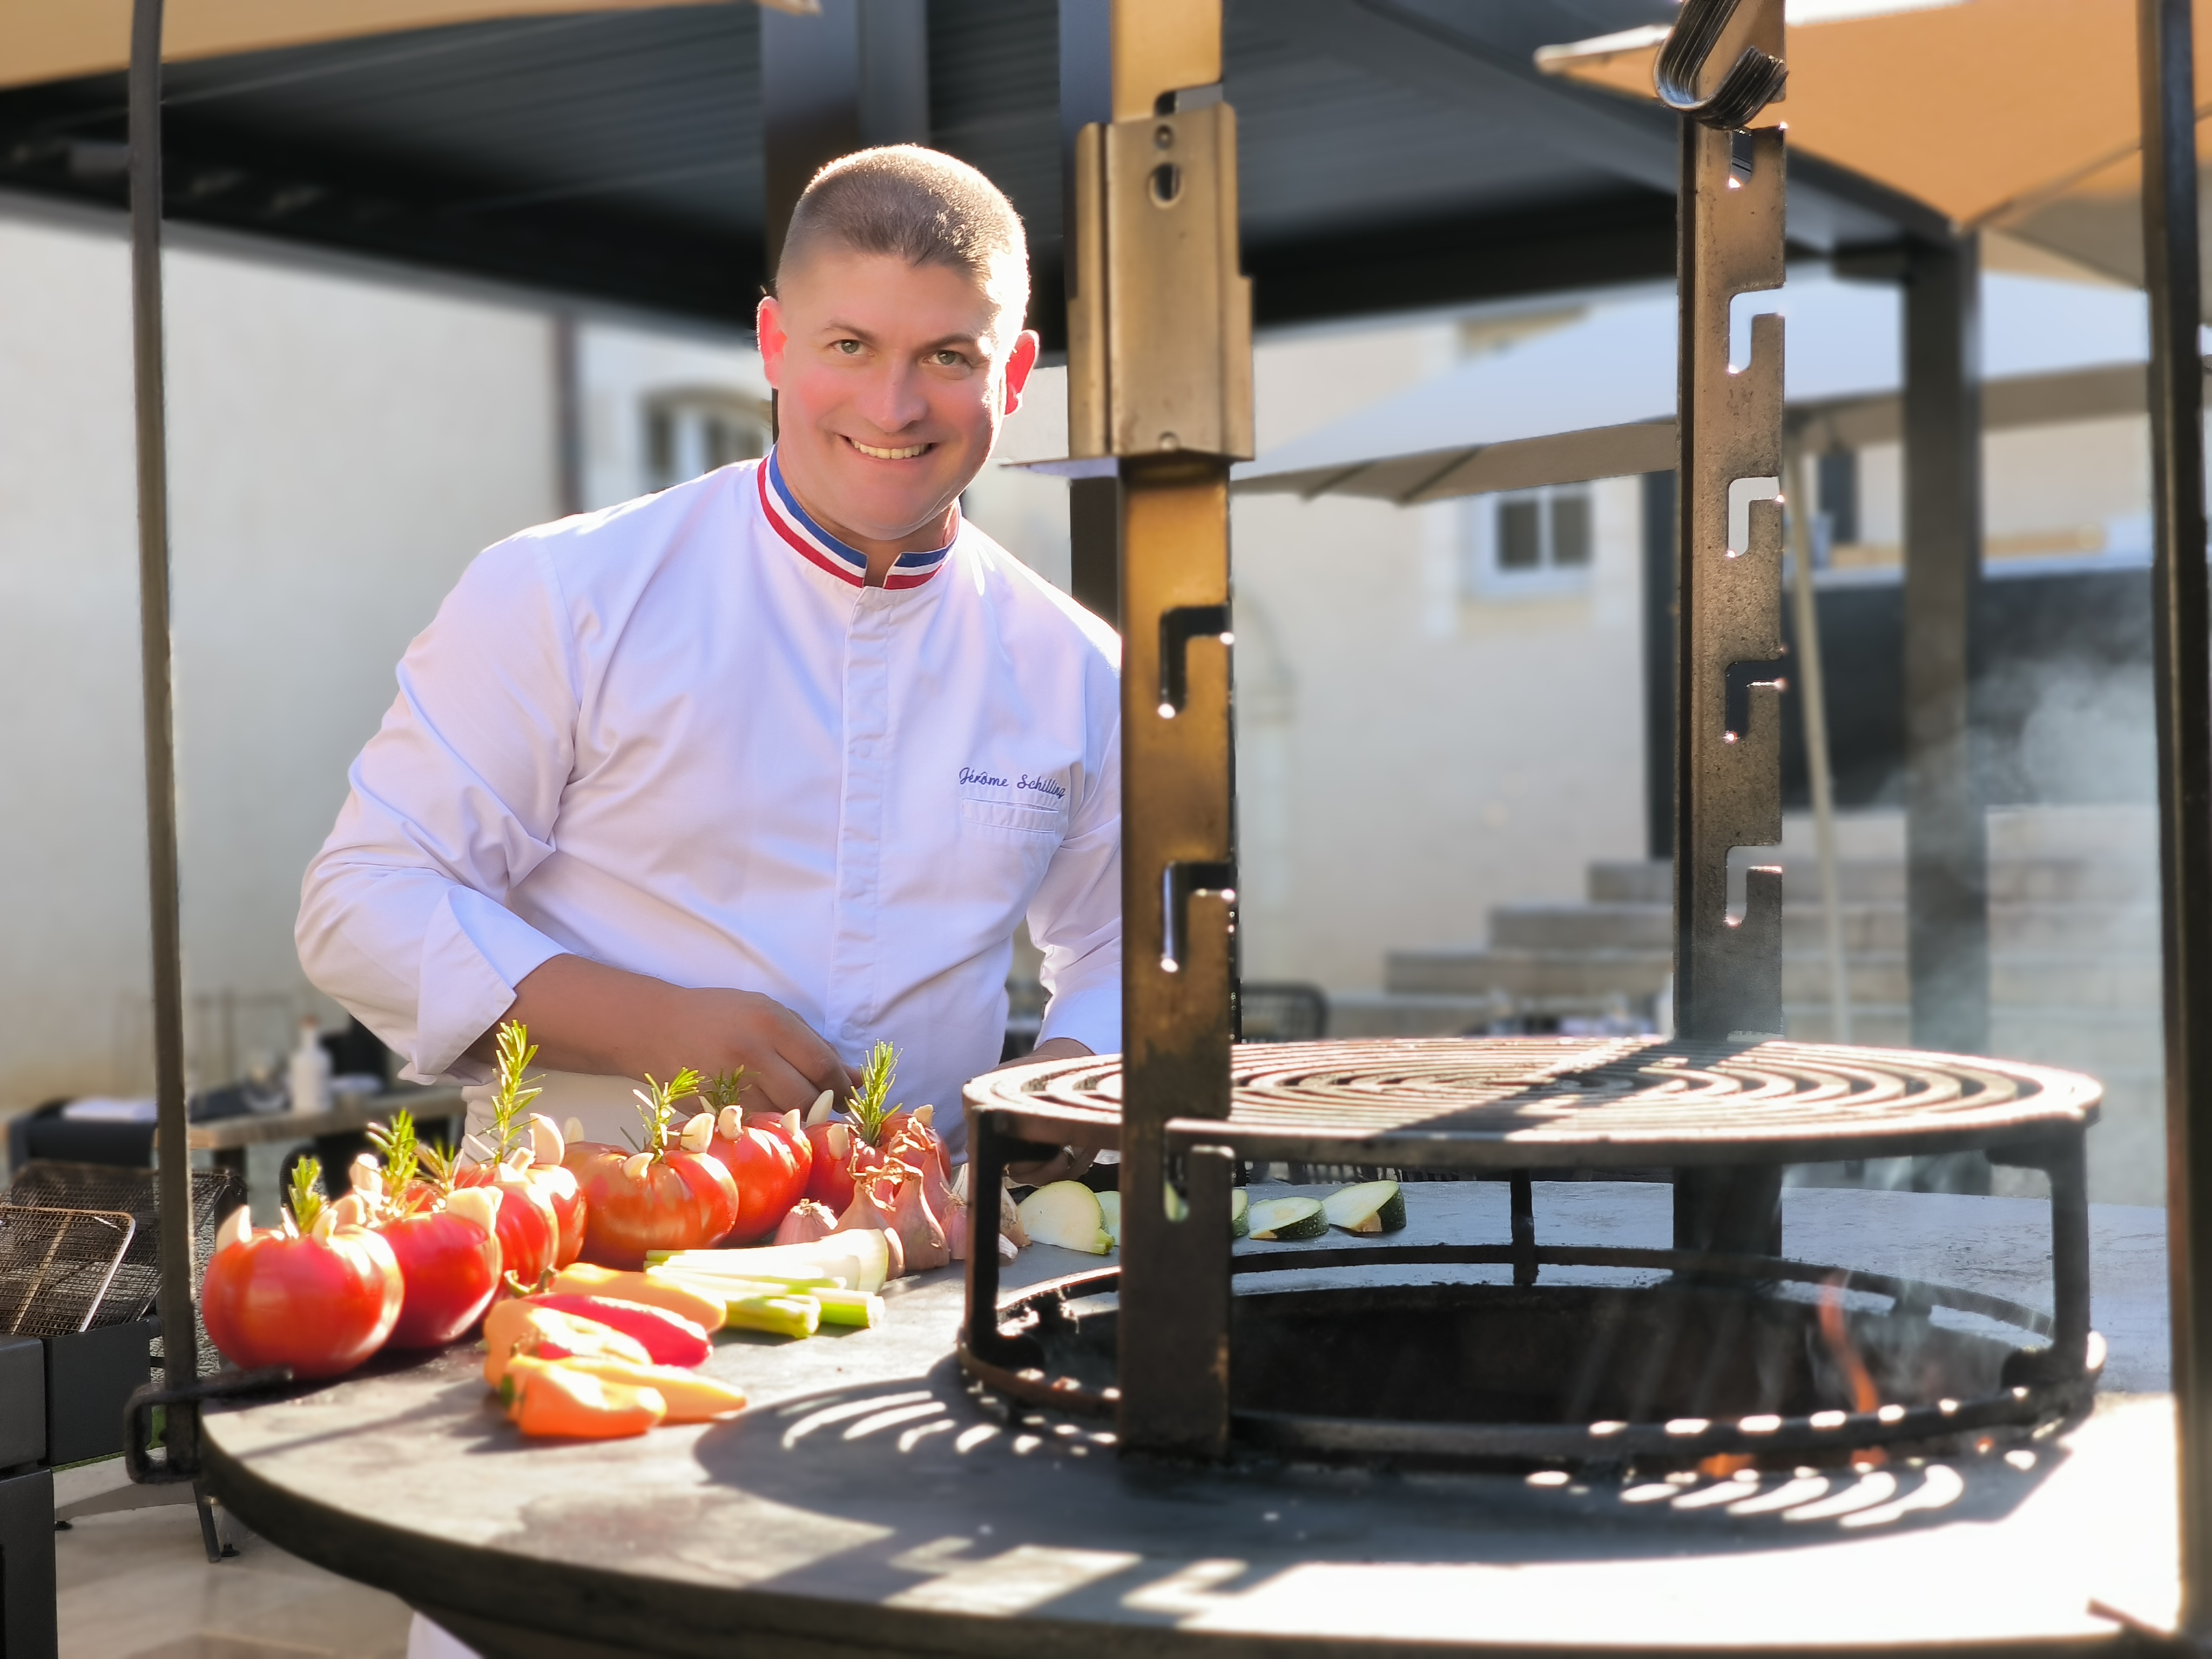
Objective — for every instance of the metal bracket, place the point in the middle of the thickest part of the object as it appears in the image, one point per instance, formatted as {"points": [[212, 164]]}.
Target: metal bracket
{"points": [[1160, 328], [1753, 82], [179, 1408], [1178, 627], [1179, 882]]}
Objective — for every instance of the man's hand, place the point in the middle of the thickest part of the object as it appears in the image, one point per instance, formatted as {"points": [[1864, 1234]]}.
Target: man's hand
{"points": [[586, 1017], [1069, 1161]]}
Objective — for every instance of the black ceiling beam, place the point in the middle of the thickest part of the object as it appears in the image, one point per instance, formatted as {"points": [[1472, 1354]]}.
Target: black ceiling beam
{"points": [[1829, 206], [1622, 237]]}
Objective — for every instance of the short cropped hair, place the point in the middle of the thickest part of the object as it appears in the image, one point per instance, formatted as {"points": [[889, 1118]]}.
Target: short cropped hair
{"points": [[919, 205]]}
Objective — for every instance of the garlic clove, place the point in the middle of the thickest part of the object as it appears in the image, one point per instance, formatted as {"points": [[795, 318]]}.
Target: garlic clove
{"points": [[925, 1115], [352, 1210], [699, 1133], [729, 1123], [573, 1130], [520, 1159], [840, 1139], [636, 1165], [547, 1141], [791, 1126], [325, 1225], [237, 1227], [819, 1111], [476, 1204]]}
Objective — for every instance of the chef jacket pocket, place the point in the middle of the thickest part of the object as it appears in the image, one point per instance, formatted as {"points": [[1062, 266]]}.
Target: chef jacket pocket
{"points": [[1013, 821]]}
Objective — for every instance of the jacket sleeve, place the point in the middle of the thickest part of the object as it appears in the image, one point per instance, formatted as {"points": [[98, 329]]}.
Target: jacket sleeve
{"points": [[1076, 917], [402, 915]]}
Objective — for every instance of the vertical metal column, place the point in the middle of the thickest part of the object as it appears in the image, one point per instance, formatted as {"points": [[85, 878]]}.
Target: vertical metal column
{"points": [[2182, 674], [1727, 787], [1159, 375], [854, 75], [1086, 97], [179, 1337], [1659, 625], [1946, 881]]}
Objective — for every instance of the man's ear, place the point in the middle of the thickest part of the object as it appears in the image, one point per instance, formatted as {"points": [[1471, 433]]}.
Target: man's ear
{"points": [[1020, 362], [768, 326]]}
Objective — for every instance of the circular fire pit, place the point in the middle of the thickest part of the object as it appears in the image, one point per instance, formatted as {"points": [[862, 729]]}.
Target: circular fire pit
{"points": [[1737, 1355]]}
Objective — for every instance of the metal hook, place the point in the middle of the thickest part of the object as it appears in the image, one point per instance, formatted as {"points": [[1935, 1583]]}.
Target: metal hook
{"points": [[1753, 83]]}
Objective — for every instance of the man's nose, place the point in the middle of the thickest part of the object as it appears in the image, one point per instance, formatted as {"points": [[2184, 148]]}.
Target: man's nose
{"points": [[895, 398]]}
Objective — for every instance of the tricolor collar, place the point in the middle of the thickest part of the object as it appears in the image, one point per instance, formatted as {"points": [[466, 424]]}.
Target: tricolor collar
{"points": [[816, 544]]}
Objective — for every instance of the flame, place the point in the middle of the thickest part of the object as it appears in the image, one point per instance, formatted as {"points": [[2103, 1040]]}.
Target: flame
{"points": [[1865, 1397], [1720, 1465]]}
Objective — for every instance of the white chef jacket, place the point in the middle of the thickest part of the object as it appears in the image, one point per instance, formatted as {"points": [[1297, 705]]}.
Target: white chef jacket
{"points": [[682, 737]]}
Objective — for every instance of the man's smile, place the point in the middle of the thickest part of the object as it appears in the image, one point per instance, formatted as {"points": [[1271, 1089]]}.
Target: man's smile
{"points": [[907, 453]]}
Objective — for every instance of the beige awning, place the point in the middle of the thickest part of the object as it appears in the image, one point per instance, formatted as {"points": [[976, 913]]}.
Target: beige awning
{"points": [[2017, 116], [58, 40]]}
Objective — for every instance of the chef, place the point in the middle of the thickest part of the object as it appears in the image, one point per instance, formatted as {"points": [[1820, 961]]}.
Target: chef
{"points": [[771, 765]]}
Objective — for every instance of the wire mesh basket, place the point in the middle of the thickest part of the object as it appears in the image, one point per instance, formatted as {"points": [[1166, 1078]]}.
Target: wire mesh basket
{"points": [[57, 1266]]}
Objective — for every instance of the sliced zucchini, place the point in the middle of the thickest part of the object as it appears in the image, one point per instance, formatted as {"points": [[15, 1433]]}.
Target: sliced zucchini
{"points": [[1372, 1207], [1109, 1212], [1240, 1204], [1287, 1218], [1065, 1213]]}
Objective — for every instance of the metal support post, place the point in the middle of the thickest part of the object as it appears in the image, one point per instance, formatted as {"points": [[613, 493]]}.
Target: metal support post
{"points": [[1728, 778], [1659, 625], [853, 75], [1946, 882], [179, 1336], [1159, 376], [1086, 97], [2182, 670]]}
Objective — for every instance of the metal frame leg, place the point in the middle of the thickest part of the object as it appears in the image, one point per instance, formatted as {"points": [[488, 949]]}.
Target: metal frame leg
{"points": [[29, 1627]]}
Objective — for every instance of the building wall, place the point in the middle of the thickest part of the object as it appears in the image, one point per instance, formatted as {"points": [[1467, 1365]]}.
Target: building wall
{"points": [[339, 449]]}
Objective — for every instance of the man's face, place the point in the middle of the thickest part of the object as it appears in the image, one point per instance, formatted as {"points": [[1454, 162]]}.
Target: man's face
{"points": [[891, 380]]}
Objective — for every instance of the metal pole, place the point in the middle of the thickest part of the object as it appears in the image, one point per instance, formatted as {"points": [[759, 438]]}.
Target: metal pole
{"points": [[1728, 762], [2181, 672], [1813, 691], [1159, 377], [1659, 609], [1946, 873], [180, 1338]]}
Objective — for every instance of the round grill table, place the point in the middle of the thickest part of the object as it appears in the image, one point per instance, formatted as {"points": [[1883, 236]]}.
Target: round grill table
{"points": [[864, 1504], [870, 1501]]}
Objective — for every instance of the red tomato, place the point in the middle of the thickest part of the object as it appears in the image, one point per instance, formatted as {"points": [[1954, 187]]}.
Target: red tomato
{"points": [[529, 1227], [320, 1306], [449, 1266], [567, 1198], [785, 1127], [768, 1175], [828, 1180], [682, 1201]]}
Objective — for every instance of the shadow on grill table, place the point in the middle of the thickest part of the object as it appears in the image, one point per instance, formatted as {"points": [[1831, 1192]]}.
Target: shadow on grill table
{"points": [[79, 1275]]}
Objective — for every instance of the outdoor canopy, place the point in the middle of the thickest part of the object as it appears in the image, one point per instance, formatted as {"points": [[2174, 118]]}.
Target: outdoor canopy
{"points": [[40, 41], [1593, 398], [2020, 116]]}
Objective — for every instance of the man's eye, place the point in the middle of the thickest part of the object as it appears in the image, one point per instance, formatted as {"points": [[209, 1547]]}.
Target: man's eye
{"points": [[850, 347], [949, 359]]}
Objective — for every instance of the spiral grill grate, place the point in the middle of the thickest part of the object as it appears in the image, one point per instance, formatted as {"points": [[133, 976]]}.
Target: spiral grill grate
{"points": [[1533, 1100]]}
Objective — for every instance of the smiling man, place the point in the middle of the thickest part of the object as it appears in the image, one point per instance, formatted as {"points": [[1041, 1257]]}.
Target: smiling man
{"points": [[770, 766]]}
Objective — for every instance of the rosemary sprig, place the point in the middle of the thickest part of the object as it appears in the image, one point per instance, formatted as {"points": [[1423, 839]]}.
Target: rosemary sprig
{"points": [[656, 1106], [306, 1193], [868, 1105], [723, 1089], [514, 1091], [402, 1156]]}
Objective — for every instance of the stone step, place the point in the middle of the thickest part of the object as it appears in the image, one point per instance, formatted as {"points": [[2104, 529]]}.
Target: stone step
{"points": [[2078, 928], [2039, 979], [2040, 879]]}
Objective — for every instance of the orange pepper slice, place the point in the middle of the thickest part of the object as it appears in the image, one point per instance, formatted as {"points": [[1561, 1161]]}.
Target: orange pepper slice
{"points": [[549, 1400]]}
